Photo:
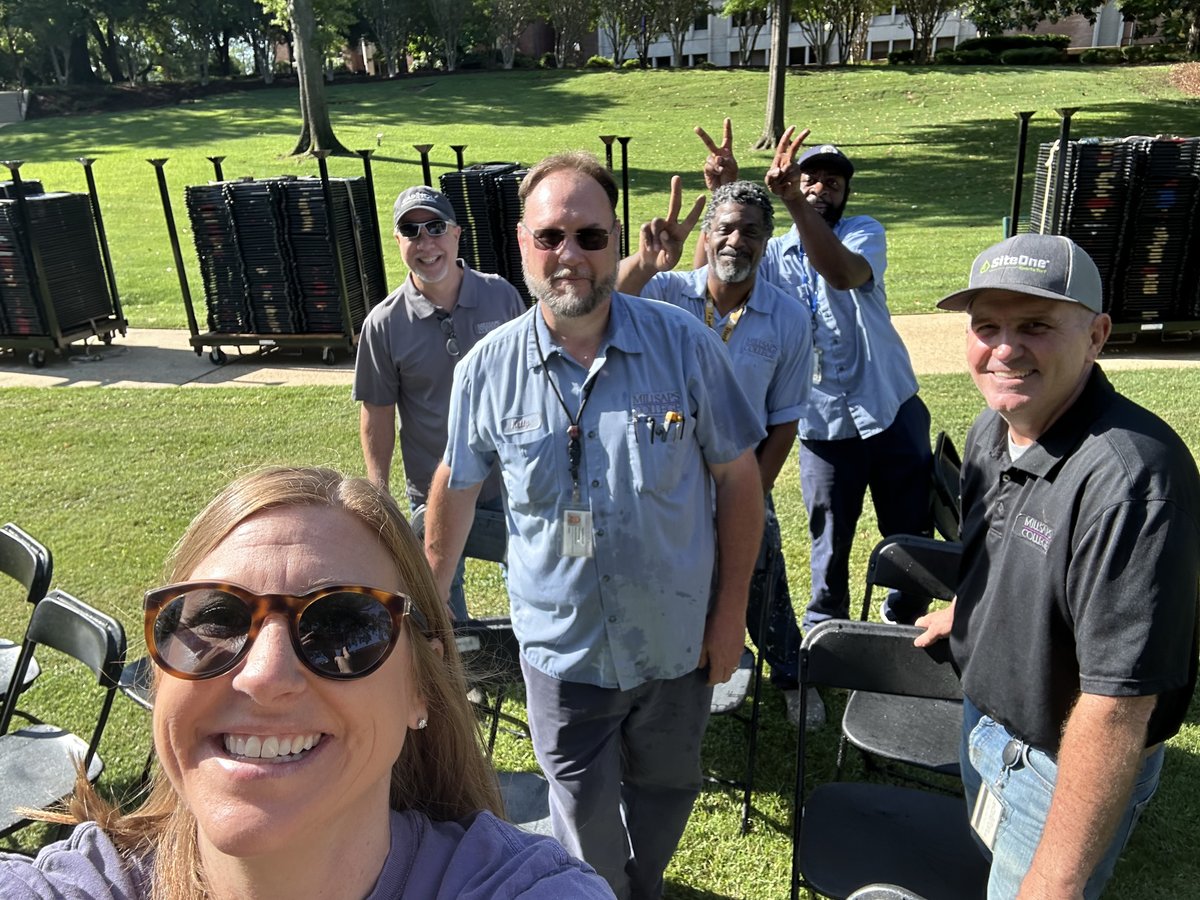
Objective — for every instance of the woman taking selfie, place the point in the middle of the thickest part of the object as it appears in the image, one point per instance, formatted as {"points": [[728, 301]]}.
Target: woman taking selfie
{"points": [[310, 721]]}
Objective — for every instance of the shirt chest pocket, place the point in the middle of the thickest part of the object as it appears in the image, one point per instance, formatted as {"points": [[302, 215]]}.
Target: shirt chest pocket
{"points": [[530, 466], [659, 452]]}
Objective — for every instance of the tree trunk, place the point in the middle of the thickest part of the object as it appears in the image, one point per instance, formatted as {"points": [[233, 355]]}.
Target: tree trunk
{"points": [[773, 127], [316, 130], [1193, 38], [79, 62], [107, 42]]}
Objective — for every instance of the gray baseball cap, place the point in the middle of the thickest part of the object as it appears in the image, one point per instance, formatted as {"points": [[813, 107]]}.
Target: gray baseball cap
{"points": [[422, 197], [1040, 265]]}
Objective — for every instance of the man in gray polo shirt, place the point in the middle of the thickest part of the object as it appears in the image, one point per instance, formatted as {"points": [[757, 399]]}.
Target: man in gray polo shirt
{"points": [[1075, 625], [412, 340]]}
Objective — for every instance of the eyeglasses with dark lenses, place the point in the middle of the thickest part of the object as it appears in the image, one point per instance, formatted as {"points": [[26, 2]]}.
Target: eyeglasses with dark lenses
{"points": [[433, 228], [202, 629], [447, 326], [552, 239]]}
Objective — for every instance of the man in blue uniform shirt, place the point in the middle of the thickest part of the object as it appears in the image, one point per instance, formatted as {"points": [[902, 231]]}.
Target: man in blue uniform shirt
{"points": [[767, 336], [865, 426], [618, 428]]}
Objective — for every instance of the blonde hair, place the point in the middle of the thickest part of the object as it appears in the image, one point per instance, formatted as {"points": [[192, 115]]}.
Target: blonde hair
{"points": [[441, 771]]}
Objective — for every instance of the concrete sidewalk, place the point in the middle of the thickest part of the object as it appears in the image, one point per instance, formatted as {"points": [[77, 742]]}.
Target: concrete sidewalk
{"points": [[150, 357]]}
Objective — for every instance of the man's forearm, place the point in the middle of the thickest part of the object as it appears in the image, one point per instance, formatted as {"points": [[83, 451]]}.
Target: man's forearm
{"points": [[448, 521], [739, 530], [773, 452], [633, 275], [1102, 751], [377, 435], [841, 268]]}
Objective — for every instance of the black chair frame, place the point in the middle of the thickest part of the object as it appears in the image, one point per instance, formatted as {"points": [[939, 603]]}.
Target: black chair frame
{"points": [[30, 564], [847, 835]]}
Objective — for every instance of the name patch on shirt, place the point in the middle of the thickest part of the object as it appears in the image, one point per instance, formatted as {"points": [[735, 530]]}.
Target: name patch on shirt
{"points": [[482, 328], [1035, 531], [655, 403], [761, 347], [519, 424]]}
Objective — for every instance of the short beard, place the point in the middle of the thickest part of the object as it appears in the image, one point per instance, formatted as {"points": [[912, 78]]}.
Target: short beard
{"points": [[833, 216], [731, 271], [568, 304]]}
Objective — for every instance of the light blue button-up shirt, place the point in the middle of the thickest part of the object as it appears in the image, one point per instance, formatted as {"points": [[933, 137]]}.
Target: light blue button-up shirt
{"points": [[865, 371], [770, 346], [635, 611]]}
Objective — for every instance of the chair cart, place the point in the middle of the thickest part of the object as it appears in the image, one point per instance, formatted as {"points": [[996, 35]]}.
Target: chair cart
{"points": [[286, 262], [1133, 203], [56, 277]]}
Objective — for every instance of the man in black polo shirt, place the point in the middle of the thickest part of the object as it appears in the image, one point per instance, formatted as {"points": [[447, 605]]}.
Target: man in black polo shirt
{"points": [[1076, 619]]}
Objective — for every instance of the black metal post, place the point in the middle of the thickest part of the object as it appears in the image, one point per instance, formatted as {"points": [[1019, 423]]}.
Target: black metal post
{"points": [[41, 288], [366, 158], [173, 234], [424, 149], [458, 152], [347, 319], [1060, 172], [1019, 174], [86, 162], [608, 141], [624, 141], [218, 172]]}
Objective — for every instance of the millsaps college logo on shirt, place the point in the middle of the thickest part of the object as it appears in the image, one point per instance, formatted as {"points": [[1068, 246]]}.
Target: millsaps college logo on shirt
{"points": [[1034, 530]]}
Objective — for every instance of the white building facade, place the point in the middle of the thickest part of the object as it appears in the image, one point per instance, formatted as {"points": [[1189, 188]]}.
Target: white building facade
{"points": [[716, 39]]}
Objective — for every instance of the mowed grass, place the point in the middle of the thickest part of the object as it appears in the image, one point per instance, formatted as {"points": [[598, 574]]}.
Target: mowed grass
{"points": [[934, 147], [108, 479]]}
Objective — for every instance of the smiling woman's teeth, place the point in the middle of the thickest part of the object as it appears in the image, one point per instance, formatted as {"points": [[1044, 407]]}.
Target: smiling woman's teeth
{"points": [[284, 748]]}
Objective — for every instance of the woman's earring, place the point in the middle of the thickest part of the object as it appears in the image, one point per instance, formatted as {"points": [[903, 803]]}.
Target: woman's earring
{"points": [[422, 722]]}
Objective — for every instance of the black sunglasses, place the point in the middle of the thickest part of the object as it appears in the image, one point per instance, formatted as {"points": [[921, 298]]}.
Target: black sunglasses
{"points": [[447, 326], [433, 228], [552, 239], [202, 629]]}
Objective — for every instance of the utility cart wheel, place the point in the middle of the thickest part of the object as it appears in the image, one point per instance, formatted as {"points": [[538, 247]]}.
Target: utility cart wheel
{"points": [[107, 338], [327, 356], [217, 356], [37, 358]]}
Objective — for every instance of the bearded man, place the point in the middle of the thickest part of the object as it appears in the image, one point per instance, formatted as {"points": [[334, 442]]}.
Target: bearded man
{"points": [[767, 336], [618, 427]]}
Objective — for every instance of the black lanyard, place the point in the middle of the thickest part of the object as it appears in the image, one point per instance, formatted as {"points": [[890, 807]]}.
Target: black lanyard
{"points": [[574, 445]]}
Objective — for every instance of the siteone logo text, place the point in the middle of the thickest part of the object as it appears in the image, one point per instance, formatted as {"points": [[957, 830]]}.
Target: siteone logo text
{"points": [[1005, 260]]}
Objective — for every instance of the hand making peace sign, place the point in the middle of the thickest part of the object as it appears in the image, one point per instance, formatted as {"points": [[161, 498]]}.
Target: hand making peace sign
{"points": [[783, 178], [660, 241], [720, 167]]}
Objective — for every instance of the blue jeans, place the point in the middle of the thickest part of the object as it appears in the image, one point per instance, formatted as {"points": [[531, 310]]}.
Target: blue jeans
{"points": [[1024, 789], [780, 644], [896, 465]]}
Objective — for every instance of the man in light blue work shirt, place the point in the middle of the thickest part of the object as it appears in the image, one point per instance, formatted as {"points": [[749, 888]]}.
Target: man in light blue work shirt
{"points": [[865, 426], [618, 427], [767, 336]]}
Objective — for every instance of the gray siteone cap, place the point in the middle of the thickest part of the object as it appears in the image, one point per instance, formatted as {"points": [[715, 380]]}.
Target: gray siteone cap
{"points": [[422, 197], [1040, 265]]}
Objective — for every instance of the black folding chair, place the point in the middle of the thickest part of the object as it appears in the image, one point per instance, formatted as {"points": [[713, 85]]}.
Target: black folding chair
{"points": [[946, 494], [28, 563], [848, 835], [38, 762], [912, 730], [492, 661]]}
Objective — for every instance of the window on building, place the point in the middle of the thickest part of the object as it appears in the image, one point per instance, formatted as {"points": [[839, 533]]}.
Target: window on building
{"points": [[797, 56], [943, 43], [662, 62], [701, 23], [879, 50], [698, 58], [749, 19]]}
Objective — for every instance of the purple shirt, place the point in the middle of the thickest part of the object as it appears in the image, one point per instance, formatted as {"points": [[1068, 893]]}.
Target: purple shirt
{"points": [[479, 858]]}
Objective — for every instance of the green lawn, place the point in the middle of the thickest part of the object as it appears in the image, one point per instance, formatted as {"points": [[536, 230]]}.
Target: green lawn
{"points": [[934, 147], [108, 479]]}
